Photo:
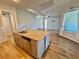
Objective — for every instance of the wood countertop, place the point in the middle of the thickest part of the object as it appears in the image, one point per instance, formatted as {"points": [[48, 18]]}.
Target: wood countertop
{"points": [[36, 35]]}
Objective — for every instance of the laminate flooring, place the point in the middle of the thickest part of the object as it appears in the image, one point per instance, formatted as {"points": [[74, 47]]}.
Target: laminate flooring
{"points": [[60, 48]]}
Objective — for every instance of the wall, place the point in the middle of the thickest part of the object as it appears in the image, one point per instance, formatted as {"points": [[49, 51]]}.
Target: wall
{"points": [[55, 13], [52, 23], [26, 18], [19, 17], [39, 21], [1, 31], [13, 13], [6, 7]]}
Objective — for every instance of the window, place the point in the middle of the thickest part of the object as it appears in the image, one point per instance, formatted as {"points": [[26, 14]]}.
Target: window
{"points": [[71, 21]]}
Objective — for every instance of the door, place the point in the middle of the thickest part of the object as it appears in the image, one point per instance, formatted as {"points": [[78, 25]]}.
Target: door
{"points": [[2, 34], [7, 23]]}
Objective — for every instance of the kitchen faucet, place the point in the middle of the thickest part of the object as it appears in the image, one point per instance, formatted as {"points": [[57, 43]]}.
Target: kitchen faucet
{"points": [[24, 27]]}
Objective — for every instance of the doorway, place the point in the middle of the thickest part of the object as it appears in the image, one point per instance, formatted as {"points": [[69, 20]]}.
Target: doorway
{"points": [[7, 24]]}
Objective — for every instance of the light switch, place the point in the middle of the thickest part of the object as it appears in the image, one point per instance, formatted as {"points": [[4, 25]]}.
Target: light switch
{"points": [[53, 20]]}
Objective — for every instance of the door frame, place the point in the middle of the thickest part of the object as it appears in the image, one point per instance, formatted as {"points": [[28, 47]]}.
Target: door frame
{"points": [[12, 20]]}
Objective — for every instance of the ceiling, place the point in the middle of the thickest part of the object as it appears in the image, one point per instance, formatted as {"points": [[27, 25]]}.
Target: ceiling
{"points": [[37, 5], [25, 4]]}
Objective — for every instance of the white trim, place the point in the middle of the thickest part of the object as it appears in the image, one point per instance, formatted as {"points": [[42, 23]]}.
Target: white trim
{"points": [[3, 27], [76, 39], [13, 22]]}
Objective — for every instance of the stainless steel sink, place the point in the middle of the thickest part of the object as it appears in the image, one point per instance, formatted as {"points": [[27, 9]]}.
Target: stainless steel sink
{"points": [[23, 32]]}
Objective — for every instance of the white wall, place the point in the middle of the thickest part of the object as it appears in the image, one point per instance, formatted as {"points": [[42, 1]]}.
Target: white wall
{"points": [[26, 18], [2, 36], [55, 13], [39, 21], [52, 23]]}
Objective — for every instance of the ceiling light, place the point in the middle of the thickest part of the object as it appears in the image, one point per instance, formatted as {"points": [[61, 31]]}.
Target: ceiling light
{"points": [[32, 11], [15, 0]]}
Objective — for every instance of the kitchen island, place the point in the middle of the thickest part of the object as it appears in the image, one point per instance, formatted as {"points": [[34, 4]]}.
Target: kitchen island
{"points": [[34, 42]]}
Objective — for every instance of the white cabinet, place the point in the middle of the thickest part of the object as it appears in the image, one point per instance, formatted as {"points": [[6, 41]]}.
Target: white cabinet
{"points": [[46, 42], [37, 48]]}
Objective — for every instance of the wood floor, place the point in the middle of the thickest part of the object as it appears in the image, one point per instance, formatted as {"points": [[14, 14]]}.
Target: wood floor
{"points": [[60, 48]]}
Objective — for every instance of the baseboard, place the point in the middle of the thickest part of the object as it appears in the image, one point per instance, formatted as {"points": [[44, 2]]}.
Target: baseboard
{"points": [[77, 41]]}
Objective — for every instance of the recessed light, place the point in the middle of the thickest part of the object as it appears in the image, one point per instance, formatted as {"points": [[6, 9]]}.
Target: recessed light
{"points": [[15, 0]]}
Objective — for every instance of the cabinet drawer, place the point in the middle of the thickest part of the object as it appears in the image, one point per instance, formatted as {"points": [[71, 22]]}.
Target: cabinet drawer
{"points": [[34, 51]]}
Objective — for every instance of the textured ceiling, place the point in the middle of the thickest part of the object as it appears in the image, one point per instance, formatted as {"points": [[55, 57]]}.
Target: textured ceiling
{"points": [[24, 3], [58, 8], [37, 5]]}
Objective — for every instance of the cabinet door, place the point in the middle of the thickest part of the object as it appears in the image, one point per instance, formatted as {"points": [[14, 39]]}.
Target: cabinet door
{"points": [[37, 48], [27, 45], [40, 48], [18, 40], [21, 43], [46, 42], [34, 48]]}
